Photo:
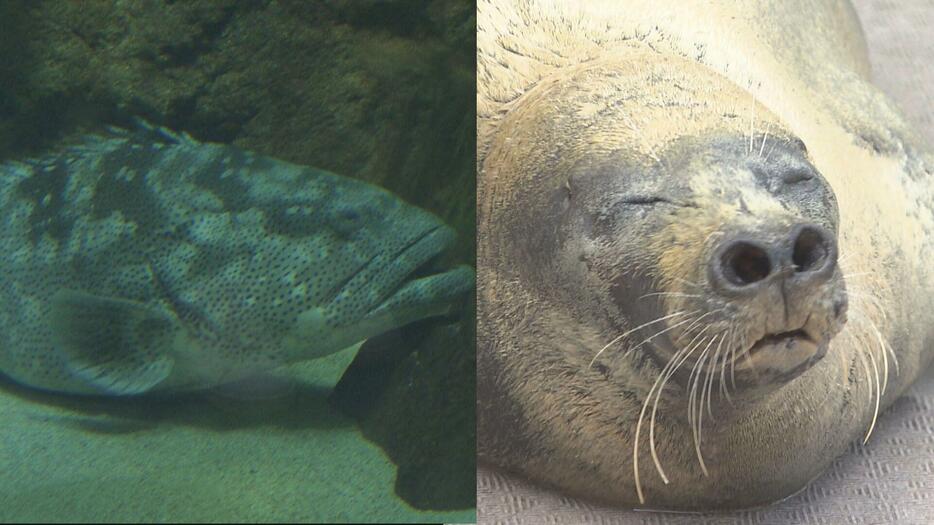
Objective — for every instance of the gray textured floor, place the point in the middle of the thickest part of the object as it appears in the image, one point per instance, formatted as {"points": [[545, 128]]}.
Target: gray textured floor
{"points": [[889, 481]]}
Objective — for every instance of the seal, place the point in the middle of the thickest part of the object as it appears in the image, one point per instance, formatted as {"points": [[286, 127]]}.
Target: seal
{"points": [[704, 247]]}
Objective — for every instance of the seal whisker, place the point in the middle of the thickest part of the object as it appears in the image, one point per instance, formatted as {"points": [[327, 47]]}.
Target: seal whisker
{"points": [[670, 328], [862, 359], [670, 368], [699, 319], [856, 274], [734, 350], [874, 387], [752, 125], [745, 351], [692, 391], [671, 294], [724, 391], [692, 415], [645, 404], [711, 369], [875, 413], [691, 375], [704, 392], [624, 334], [856, 293], [685, 281], [885, 348], [764, 138], [697, 420], [635, 444]]}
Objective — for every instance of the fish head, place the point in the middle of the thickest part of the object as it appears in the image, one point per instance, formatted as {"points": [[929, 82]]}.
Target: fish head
{"points": [[371, 265]]}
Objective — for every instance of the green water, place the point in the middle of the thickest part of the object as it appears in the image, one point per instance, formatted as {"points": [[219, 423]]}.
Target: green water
{"points": [[376, 90]]}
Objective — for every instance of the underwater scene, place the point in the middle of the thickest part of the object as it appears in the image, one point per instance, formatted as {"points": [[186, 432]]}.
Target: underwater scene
{"points": [[237, 248]]}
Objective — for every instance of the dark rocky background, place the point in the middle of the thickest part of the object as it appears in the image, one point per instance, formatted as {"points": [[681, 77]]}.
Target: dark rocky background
{"points": [[379, 90]]}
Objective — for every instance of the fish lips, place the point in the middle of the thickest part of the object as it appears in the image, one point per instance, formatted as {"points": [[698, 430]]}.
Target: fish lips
{"points": [[421, 282]]}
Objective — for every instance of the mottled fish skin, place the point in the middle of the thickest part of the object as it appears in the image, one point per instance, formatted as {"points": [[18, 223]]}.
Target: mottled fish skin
{"points": [[143, 261]]}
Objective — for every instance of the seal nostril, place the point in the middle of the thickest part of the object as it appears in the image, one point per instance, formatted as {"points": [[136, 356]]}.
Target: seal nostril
{"points": [[745, 264], [810, 250]]}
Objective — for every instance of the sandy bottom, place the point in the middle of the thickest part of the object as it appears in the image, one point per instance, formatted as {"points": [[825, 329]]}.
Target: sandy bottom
{"points": [[206, 457]]}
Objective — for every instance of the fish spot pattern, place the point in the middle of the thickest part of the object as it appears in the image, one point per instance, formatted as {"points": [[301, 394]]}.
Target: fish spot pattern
{"points": [[231, 246]]}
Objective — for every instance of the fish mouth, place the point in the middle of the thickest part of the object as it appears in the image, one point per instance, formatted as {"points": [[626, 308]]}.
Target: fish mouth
{"points": [[431, 266], [424, 283], [421, 258]]}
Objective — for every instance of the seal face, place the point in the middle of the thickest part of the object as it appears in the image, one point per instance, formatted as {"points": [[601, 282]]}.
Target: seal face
{"points": [[765, 294], [676, 296]]}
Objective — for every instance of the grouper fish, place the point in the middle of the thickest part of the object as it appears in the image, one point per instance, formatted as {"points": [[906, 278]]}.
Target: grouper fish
{"points": [[142, 261]]}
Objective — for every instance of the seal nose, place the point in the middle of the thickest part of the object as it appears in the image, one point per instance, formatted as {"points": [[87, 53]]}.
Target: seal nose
{"points": [[742, 264]]}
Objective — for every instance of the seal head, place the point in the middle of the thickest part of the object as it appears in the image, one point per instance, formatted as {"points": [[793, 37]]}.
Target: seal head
{"points": [[669, 275]]}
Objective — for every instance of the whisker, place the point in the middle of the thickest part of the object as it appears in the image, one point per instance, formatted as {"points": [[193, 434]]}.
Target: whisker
{"points": [[691, 375], [673, 294], [699, 419], [886, 348], [724, 391], [699, 319], [666, 372], [689, 283], [624, 334], [717, 232], [670, 368], [873, 300], [875, 413], [670, 328], [733, 357], [858, 274], [711, 367], [635, 446], [766, 136], [862, 360], [752, 126]]}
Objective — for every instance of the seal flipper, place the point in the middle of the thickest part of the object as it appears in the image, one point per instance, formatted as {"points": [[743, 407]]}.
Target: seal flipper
{"points": [[118, 347]]}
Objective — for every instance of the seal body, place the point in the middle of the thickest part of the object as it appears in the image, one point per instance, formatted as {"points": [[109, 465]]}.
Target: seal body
{"points": [[143, 261], [703, 248]]}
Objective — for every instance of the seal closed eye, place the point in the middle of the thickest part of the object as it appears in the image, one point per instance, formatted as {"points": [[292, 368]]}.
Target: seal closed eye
{"points": [[697, 284]]}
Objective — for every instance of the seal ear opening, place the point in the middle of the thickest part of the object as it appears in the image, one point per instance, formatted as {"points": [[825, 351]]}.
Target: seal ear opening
{"points": [[118, 347]]}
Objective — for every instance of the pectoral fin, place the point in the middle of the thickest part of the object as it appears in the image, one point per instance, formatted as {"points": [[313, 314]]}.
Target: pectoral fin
{"points": [[119, 347]]}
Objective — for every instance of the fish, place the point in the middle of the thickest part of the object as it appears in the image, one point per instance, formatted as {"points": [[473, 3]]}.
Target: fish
{"points": [[140, 260]]}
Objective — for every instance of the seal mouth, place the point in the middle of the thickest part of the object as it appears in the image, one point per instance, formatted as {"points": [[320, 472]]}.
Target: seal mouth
{"points": [[781, 356], [781, 339]]}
